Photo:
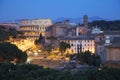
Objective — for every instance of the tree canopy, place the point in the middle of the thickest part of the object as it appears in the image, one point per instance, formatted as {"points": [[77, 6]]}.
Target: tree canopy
{"points": [[5, 33], [34, 72], [11, 53], [40, 40], [63, 46], [106, 25], [87, 58]]}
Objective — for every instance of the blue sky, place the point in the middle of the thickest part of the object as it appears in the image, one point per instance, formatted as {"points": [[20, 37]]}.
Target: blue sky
{"points": [[29, 9]]}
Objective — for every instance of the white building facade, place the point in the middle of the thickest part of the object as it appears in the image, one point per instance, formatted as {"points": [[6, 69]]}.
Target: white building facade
{"points": [[85, 43]]}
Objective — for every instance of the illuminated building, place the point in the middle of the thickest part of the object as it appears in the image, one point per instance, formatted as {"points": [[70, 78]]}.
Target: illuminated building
{"points": [[65, 29], [33, 28], [86, 43]]}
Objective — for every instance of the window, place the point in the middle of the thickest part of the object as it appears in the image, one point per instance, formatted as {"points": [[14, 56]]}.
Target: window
{"points": [[45, 21], [71, 44]]}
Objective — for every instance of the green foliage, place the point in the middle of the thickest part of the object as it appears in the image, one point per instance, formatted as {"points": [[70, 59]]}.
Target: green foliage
{"points": [[10, 52], [88, 58], [3, 33], [6, 33], [12, 32], [106, 25], [9, 71], [49, 49], [40, 40], [63, 46]]}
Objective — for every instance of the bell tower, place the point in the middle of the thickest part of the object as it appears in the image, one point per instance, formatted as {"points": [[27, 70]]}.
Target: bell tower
{"points": [[85, 20]]}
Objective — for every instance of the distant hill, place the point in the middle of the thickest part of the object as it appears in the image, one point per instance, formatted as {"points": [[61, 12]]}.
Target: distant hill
{"points": [[10, 21], [72, 20], [79, 20]]}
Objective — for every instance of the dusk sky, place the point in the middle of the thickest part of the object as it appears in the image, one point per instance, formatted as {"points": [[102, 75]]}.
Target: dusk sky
{"points": [[30, 9]]}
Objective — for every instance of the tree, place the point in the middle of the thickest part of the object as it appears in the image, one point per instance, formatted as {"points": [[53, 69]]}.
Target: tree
{"points": [[9, 71], [12, 32], [87, 58], [5, 33], [49, 49], [106, 25], [97, 61], [63, 46], [10, 52], [40, 40]]}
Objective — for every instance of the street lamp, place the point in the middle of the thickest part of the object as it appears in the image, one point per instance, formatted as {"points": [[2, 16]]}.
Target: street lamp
{"points": [[36, 54]]}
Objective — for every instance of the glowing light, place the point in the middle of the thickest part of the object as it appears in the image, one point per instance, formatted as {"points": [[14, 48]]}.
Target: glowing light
{"points": [[36, 54], [39, 50], [28, 60]]}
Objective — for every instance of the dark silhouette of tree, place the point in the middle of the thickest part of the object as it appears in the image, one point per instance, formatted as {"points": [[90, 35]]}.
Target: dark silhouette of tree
{"points": [[12, 32], [9, 71], [41, 40], [106, 25], [49, 49], [5, 33], [11, 53], [87, 58], [63, 46]]}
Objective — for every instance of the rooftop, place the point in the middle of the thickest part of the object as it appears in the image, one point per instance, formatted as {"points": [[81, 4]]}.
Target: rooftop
{"points": [[115, 42], [78, 38], [112, 32]]}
